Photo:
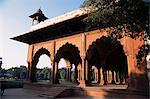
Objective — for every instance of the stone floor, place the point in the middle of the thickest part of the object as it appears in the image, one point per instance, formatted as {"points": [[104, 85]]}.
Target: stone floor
{"points": [[21, 93]]}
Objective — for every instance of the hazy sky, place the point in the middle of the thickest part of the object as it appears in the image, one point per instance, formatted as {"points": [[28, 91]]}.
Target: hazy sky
{"points": [[14, 21]]}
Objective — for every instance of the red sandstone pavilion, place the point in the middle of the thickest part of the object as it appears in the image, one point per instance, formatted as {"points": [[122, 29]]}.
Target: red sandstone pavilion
{"points": [[64, 37]]}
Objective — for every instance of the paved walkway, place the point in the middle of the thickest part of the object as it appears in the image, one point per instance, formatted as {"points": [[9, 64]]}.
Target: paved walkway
{"points": [[21, 93]]}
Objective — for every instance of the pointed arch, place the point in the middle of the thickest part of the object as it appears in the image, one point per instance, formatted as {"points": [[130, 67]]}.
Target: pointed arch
{"points": [[40, 52], [107, 54], [70, 52], [35, 60], [100, 49]]}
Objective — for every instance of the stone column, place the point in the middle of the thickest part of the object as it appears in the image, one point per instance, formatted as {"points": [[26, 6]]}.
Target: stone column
{"points": [[52, 81], [95, 76], [29, 61], [83, 54], [68, 74], [108, 76], [53, 64], [113, 81], [79, 78], [79, 72], [117, 78], [96, 73], [82, 81], [76, 75], [105, 77], [131, 70], [87, 71], [69, 69], [29, 71], [56, 73], [101, 77], [33, 72]]}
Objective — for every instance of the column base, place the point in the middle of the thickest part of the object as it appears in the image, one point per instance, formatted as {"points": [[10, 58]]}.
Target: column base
{"points": [[101, 82], [82, 83], [56, 81], [51, 82], [105, 83], [113, 82]]}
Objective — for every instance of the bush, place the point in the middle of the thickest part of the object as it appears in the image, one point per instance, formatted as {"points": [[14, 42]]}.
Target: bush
{"points": [[13, 83]]}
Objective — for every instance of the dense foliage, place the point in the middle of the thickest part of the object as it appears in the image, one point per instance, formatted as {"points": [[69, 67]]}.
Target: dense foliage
{"points": [[141, 56], [43, 74], [130, 14], [14, 72]]}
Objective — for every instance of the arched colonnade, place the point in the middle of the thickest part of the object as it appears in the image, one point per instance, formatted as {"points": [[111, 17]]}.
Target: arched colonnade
{"points": [[87, 50]]}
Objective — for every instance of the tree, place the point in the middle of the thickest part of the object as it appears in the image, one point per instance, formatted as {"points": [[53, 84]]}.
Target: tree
{"points": [[19, 72], [62, 73], [130, 16], [131, 13], [23, 72], [44, 73]]}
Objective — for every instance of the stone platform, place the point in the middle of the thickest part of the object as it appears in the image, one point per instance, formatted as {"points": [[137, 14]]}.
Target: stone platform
{"points": [[70, 90]]}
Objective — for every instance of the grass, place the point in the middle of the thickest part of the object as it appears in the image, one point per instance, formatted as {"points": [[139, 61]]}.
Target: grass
{"points": [[13, 83]]}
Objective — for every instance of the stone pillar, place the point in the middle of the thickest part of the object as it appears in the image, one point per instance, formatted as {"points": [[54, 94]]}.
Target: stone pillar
{"points": [[33, 72], [76, 75], [108, 76], [101, 77], [117, 78], [56, 73], [29, 71], [83, 54], [52, 81], [96, 73], [113, 79], [53, 64], [105, 77], [29, 61], [131, 70], [79, 72], [96, 76], [68, 74], [79, 75], [87, 71], [82, 81], [68, 70]]}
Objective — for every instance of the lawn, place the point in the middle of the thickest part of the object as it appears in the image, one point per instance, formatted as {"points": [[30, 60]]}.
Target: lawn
{"points": [[12, 83]]}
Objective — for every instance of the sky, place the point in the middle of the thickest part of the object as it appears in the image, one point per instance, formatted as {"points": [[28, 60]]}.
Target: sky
{"points": [[14, 21]]}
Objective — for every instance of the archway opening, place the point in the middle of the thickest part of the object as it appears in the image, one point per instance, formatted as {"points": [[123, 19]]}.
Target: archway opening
{"points": [[110, 60], [70, 54], [62, 70], [43, 69], [41, 66]]}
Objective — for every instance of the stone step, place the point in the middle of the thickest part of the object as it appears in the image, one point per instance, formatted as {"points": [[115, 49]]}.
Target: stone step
{"points": [[54, 92]]}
